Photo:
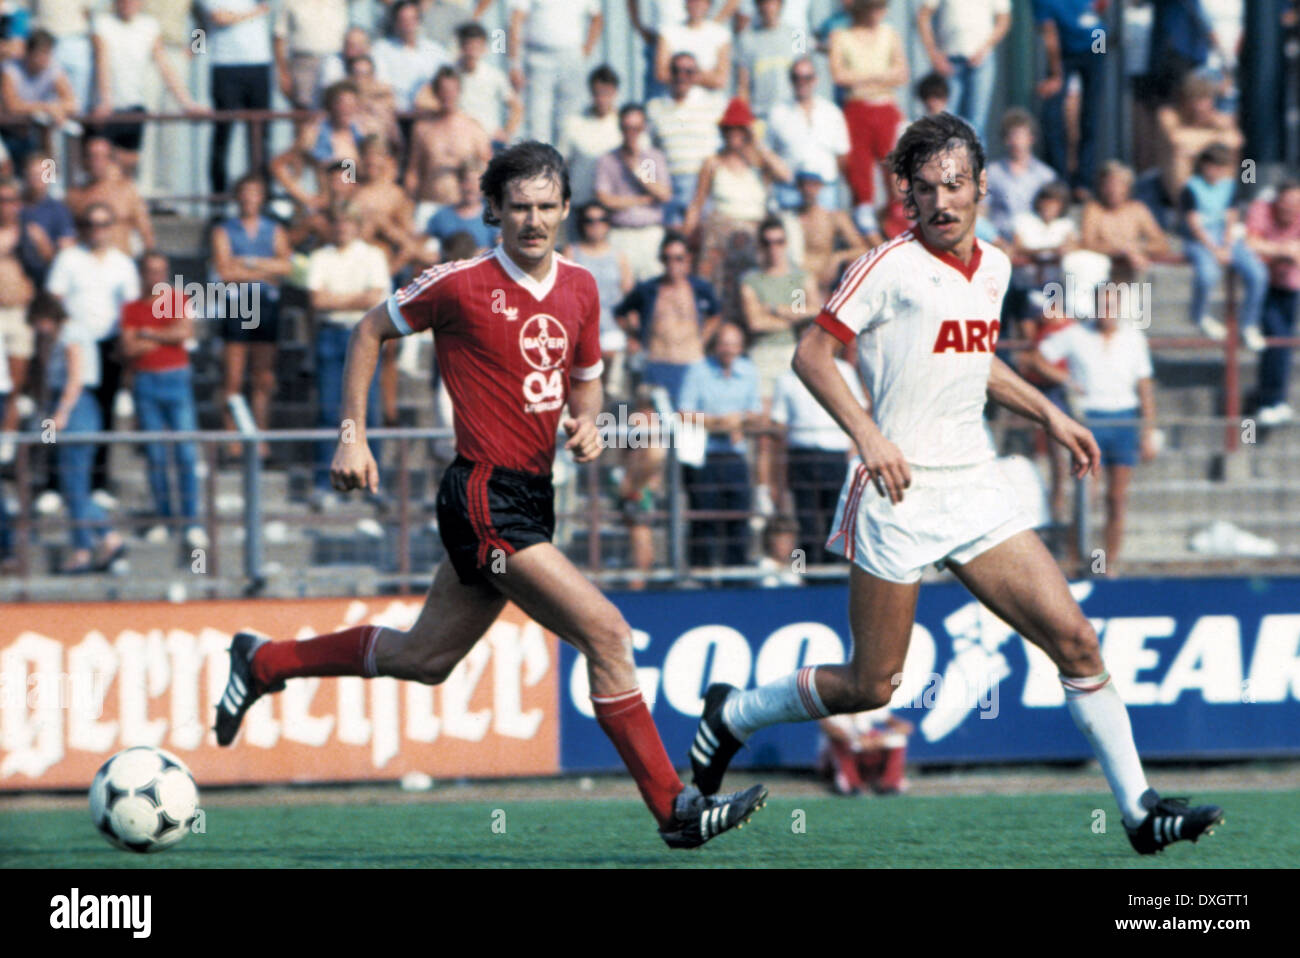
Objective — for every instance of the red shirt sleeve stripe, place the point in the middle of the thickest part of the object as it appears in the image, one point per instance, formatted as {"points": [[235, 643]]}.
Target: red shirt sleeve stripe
{"points": [[827, 321]]}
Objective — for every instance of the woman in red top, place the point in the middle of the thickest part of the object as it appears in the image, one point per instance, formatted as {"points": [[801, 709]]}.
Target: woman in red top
{"points": [[154, 330]]}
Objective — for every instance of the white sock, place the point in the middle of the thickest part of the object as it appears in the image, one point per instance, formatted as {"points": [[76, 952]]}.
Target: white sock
{"points": [[1100, 714], [793, 698]]}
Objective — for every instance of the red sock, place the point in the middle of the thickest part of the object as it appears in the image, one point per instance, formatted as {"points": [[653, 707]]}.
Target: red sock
{"points": [[627, 722], [350, 652]]}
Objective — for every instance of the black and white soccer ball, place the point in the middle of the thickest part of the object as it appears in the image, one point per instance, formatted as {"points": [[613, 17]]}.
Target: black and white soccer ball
{"points": [[143, 799]]}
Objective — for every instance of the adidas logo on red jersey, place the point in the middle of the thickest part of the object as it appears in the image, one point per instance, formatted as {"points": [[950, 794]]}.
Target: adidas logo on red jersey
{"points": [[967, 336]]}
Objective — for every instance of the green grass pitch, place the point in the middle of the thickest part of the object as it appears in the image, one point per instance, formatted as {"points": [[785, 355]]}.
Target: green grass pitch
{"points": [[1022, 831]]}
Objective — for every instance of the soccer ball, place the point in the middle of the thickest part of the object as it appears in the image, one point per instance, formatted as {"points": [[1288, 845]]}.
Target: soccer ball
{"points": [[143, 799]]}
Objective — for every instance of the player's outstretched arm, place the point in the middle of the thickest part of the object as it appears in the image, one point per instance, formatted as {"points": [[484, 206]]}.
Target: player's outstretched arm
{"points": [[814, 364], [586, 399], [1009, 390], [354, 467]]}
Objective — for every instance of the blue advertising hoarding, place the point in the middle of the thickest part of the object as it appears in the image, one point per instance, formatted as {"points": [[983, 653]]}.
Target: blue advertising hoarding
{"points": [[1208, 667]]}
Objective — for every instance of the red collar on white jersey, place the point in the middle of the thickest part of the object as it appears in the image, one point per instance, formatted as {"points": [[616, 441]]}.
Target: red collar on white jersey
{"points": [[951, 259]]}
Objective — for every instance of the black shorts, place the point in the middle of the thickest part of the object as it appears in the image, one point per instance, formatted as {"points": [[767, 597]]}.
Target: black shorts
{"points": [[263, 326], [486, 513], [124, 136]]}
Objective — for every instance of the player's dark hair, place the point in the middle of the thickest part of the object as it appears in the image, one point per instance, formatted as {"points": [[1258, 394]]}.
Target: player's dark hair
{"points": [[926, 138], [933, 86], [522, 161], [603, 74]]}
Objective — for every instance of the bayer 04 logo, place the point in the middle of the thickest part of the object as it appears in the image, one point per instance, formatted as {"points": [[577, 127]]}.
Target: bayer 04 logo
{"points": [[143, 799]]}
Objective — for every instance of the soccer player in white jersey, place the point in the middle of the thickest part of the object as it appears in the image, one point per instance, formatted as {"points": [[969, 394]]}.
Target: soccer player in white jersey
{"points": [[922, 312]]}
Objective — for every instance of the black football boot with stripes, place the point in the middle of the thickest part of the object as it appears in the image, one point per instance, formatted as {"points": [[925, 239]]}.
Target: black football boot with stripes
{"points": [[1171, 820], [700, 818], [714, 745], [242, 690]]}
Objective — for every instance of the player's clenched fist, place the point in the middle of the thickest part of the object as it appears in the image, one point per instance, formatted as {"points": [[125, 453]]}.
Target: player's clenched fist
{"points": [[354, 468], [584, 439], [885, 465]]}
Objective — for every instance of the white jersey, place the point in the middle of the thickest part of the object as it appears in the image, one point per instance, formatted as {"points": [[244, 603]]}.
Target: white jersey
{"points": [[925, 326]]}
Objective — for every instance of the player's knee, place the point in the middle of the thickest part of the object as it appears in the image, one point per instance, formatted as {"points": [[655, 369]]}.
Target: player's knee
{"points": [[609, 640], [1078, 652], [868, 694]]}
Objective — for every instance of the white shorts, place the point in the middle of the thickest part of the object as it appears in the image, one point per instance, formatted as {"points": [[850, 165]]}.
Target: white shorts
{"points": [[949, 514]]}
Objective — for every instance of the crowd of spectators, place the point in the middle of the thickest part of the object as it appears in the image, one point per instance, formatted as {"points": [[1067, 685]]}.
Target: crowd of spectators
{"points": [[716, 212]]}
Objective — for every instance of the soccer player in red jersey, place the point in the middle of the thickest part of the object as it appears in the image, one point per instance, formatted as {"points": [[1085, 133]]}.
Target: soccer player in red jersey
{"points": [[921, 313], [517, 335]]}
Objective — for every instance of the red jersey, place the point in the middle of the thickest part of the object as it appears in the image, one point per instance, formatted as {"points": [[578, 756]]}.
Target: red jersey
{"points": [[507, 346], [158, 312]]}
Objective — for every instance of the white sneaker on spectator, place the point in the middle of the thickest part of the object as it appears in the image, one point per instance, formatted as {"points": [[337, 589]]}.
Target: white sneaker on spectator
{"points": [[157, 535], [1214, 329], [49, 503], [1274, 415], [1253, 339], [104, 499], [196, 538]]}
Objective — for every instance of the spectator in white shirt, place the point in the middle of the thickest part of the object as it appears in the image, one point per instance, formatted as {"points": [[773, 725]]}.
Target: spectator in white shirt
{"points": [[405, 59], [684, 124], [485, 91], [809, 134], [344, 279], [589, 135], [126, 43], [306, 33], [549, 44], [962, 48], [1108, 368], [708, 40]]}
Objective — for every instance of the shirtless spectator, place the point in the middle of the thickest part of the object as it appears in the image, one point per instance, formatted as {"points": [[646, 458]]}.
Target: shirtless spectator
{"points": [[1120, 226], [386, 211], [439, 146], [830, 239], [107, 184], [17, 342], [1187, 127], [376, 102], [670, 318]]}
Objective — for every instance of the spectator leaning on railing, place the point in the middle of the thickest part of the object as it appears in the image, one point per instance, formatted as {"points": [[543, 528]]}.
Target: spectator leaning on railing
{"points": [[239, 51], [155, 330], [250, 254], [36, 87], [721, 395], [816, 455], [93, 280], [70, 373], [1273, 232], [344, 279]]}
